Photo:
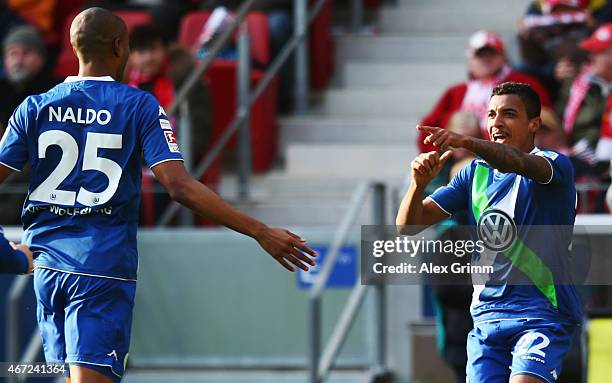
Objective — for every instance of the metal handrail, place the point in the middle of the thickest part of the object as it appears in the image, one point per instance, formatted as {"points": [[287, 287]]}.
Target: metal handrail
{"points": [[241, 114], [355, 205], [320, 366]]}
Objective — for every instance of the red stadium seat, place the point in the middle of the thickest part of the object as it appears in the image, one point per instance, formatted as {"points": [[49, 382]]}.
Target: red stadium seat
{"points": [[222, 77], [67, 63], [192, 24], [322, 48], [133, 18]]}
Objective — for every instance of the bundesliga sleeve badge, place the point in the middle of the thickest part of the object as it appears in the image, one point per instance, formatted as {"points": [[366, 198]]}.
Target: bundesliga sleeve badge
{"points": [[169, 135]]}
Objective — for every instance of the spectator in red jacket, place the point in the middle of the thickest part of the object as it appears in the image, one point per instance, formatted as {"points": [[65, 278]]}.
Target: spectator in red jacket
{"points": [[487, 67]]}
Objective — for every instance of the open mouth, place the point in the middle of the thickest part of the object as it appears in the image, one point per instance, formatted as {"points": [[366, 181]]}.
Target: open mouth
{"points": [[499, 137]]}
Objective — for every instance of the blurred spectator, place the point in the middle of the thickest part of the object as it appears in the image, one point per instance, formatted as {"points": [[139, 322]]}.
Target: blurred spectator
{"points": [[487, 67], [550, 136], [452, 295], [584, 100], [586, 104], [25, 68], [452, 303], [9, 20], [40, 13], [601, 11], [548, 39], [26, 74], [161, 70]]}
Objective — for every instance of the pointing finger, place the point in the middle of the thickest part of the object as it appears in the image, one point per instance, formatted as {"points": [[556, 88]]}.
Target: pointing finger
{"points": [[427, 129]]}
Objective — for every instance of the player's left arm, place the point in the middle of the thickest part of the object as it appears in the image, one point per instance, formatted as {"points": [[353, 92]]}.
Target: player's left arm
{"points": [[504, 158]]}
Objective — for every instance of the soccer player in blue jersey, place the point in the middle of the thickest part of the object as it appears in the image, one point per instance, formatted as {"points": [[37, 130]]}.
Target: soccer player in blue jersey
{"points": [[14, 259], [85, 140], [521, 330]]}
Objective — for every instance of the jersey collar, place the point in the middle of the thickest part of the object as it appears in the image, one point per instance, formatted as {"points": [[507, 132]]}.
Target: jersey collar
{"points": [[93, 78]]}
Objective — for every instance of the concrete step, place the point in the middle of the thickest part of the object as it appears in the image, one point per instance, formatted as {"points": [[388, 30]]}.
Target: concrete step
{"points": [[286, 200], [345, 160], [399, 48], [419, 75], [181, 376], [287, 187], [380, 103], [438, 21], [280, 188], [326, 130], [306, 213]]}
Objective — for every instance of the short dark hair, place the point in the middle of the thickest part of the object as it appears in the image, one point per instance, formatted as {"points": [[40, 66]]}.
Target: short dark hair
{"points": [[525, 92], [145, 36]]}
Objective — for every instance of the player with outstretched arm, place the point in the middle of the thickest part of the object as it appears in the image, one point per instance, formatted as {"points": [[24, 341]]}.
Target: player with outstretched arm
{"points": [[84, 140], [521, 331]]}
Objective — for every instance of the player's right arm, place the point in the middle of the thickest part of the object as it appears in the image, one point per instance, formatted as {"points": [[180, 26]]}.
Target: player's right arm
{"points": [[415, 212], [284, 246]]}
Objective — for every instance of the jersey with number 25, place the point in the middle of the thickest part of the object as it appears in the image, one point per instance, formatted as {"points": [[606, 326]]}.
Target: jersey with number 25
{"points": [[84, 140]]}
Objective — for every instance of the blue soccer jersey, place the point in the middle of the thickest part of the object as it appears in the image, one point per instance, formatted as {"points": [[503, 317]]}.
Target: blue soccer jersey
{"points": [[85, 140], [531, 276]]}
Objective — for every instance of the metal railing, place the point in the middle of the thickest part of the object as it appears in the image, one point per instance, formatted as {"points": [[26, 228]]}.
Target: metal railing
{"points": [[321, 363], [303, 17]]}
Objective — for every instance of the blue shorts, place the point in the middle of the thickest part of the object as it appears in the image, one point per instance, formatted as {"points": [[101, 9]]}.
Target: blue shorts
{"points": [[499, 349], [85, 320]]}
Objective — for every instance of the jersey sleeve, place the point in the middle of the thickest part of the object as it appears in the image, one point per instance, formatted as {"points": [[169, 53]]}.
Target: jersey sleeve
{"points": [[454, 197], [157, 137], [14, 143], [561, 166]]}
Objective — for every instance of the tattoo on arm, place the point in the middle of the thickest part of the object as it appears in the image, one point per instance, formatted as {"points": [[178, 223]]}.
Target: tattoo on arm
{"points": [[509, 159]]}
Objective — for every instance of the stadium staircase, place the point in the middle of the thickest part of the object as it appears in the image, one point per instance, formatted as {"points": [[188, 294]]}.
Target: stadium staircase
{"points": [[363, 126]]}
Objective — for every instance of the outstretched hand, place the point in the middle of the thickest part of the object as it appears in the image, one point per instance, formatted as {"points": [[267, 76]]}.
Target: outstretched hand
{"points": [[286, 248], [441, 138]]}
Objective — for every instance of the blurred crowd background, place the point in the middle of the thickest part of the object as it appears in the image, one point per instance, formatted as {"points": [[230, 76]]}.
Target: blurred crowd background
{"points": [[565, 54]]}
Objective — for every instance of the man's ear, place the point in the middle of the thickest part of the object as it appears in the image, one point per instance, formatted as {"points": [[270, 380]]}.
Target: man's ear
{"points": [[534, 124], [117, 47]]}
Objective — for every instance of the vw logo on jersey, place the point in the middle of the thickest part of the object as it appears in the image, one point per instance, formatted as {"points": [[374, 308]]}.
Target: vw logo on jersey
{"points": [[497, 230]]}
